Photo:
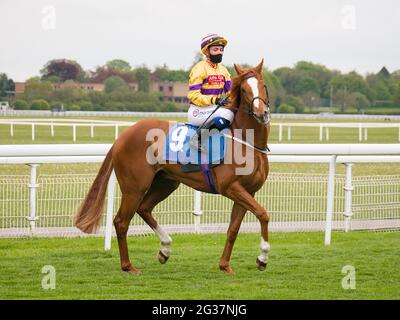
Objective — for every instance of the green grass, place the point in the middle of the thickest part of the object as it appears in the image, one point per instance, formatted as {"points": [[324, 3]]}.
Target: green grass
{"points": [[22, 133], [300, 267]]}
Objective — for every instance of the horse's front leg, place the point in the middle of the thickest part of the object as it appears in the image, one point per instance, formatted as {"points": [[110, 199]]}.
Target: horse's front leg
{"points": [[239, 194], [237, 215]]}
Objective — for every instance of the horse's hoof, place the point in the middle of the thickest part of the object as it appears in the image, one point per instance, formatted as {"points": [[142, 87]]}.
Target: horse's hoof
{"points": [[261, 265], [132, 270], [227, 269], [162, 257]]}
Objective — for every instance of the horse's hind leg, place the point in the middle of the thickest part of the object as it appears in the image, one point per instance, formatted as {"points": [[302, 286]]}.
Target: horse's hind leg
{"points": [[160, 189], [129, 204]]}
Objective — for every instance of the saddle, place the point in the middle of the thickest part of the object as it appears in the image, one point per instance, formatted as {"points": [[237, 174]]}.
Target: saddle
{"points": [[178, 150]]}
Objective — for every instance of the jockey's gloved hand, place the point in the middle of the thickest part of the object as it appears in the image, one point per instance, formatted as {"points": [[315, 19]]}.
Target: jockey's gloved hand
{"points": [[223, 101]]}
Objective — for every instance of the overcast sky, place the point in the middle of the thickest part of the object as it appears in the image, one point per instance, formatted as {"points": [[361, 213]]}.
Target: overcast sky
{"points": [[361, 35]]}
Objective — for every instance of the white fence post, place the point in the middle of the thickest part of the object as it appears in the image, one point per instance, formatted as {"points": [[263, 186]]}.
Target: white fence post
{"points": [[330, 200], [91, 130], [360, 132], [74, 133], [280, 132], [321, 133], [110, 211], [366, 134], [32, 199], [116, 132], [52, 129], [348, 189], [12, 129], [33, 132], [197, 210]]}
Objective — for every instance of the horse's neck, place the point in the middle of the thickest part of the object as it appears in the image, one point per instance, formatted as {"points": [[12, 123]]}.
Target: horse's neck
{"points": [[244, 121]]}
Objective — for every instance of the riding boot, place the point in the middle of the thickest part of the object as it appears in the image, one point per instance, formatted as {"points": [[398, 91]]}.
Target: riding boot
{"points": [[195, 141]]}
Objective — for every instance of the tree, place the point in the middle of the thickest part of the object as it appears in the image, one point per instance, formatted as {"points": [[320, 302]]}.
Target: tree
{"points": [[6, 84], [319, 73], [274, 87], [382, 92], [143, 78], [311, 99], [21, 105], [115, 83], [284, 108], [164, 74], [306, 84], [288, 78], [396, 95], [35, 89], [63, 69], [358, 101], [351, 82], [119, 64], [384, 73], [40, 104], [340, 99], [103, 73], [295, 102]]}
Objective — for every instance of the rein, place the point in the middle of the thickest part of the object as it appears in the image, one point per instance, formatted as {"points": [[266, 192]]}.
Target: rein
{"points": [[250, 112], [264, 151]]}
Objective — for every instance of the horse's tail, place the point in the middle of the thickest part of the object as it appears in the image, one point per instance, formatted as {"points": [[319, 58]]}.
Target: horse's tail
{"points": [[89, 213]]}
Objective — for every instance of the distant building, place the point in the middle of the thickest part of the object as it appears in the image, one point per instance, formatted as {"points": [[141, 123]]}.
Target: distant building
{"points": [[76, 85], [175, 92], [86, 86], [19, 87]]}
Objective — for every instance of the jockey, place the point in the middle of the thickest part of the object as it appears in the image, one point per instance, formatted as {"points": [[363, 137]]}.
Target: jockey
{"points": [[208, 81]]}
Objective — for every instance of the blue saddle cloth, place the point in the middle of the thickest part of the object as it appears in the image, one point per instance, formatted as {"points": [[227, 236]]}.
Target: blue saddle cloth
{"points": [[177, 148]]}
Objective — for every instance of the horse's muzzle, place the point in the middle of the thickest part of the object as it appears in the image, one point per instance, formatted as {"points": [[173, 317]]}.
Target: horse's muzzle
{"points": [[265, 118]]}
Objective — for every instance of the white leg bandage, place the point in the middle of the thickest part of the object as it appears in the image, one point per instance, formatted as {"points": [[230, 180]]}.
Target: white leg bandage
{"points": [[264, 247], [165, 239]]}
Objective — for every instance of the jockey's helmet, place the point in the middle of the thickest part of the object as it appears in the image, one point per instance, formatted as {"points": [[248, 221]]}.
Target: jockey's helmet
{"points": [[212, 40]]}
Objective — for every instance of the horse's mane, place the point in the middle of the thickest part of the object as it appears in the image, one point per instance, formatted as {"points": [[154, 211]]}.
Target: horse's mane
{"points": [[234, 96]]}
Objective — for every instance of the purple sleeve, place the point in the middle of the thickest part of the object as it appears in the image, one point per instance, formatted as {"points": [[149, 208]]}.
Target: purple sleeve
{"points": [[228, 85]]}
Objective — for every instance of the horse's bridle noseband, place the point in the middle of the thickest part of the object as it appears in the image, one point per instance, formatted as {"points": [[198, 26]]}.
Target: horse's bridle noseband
{"points": [[250, 111]]}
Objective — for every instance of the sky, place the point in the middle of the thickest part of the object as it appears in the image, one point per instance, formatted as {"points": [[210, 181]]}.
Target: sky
{"points": [[346, 35]]}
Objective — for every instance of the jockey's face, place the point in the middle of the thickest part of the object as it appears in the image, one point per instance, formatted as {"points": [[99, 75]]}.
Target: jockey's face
{"points": [[214, 50]]}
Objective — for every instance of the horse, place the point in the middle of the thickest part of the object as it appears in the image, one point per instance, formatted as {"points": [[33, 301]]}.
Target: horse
{"points": [[143, 185]]}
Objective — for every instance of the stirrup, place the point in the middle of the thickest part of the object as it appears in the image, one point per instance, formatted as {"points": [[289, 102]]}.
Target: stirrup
{"points": [[194, 142]]}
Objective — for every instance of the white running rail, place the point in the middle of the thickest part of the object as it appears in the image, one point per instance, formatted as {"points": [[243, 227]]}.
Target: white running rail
{"points": [[44, 205]]}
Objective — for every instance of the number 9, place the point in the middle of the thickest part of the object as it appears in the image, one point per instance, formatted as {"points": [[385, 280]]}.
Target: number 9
{"points": [[178, 138]]}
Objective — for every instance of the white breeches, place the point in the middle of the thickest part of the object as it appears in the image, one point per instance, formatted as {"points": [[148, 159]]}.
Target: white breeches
{"points": [[197, 115]]}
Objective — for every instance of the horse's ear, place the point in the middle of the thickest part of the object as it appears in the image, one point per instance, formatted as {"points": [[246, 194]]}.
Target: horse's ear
{"points": [[259, 67], [238, 69]]}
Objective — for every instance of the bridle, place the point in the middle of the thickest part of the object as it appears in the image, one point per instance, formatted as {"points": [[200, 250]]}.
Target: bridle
{"points": [[266, 117]]}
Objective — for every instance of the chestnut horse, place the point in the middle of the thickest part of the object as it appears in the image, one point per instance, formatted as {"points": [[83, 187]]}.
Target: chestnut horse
{"points": [[143, 185]]}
